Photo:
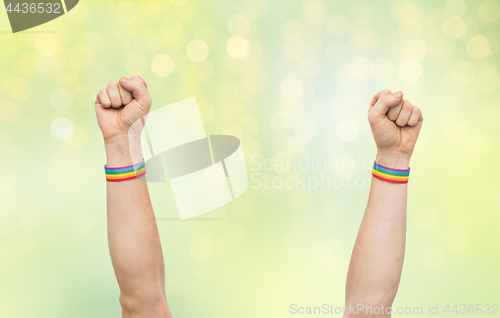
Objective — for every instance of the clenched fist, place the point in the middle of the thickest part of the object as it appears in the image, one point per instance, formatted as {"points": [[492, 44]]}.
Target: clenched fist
{"points": [[120, 105], [395, 125]]}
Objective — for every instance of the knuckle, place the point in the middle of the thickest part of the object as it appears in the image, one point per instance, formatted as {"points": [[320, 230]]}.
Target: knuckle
{"points": [[112, 84]]}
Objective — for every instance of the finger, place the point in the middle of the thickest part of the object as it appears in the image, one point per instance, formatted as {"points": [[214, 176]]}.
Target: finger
{"points": [[136, 86], [377, 96], [404, 114], [393, 113], [104, 98], [385, 100], [114, 95], [415, 117], [125, 95]]}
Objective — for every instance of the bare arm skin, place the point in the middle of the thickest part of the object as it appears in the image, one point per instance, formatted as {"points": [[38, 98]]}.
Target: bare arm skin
{"points": [[377, 259], [134, 242]]}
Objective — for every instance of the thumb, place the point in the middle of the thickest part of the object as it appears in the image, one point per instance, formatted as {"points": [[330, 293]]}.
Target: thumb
{"points": [[385, 101], [137, 87]]}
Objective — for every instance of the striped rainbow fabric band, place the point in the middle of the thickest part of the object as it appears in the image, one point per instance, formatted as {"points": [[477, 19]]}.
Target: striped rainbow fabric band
{"points": [[389, 174], [118, 174]]}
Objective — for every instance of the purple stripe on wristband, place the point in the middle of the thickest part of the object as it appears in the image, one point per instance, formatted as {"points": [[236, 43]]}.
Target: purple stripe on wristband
{"points": [[403, 170], [125, 167]]}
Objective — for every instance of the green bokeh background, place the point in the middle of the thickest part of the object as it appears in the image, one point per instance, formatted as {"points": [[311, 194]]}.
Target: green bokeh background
{"points": [[291, 79]]}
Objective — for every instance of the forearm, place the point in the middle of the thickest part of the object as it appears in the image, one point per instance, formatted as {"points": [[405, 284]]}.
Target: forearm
{"points": [[377, 259], [134, 241]]}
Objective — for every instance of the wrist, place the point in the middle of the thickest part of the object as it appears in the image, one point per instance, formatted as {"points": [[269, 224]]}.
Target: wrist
{"points": [[393, 160], [123, 151]]}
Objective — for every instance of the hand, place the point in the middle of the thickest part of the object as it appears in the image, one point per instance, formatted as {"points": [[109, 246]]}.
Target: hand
{"points": [[120, 105], [395, 125]]}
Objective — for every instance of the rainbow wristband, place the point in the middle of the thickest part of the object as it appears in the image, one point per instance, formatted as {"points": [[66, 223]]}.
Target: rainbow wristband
{"points": [[118, 174], [389, 174]]}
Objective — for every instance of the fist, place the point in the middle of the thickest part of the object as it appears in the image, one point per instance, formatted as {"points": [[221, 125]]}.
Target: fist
{"points": [[395, 125], [120, 105]]}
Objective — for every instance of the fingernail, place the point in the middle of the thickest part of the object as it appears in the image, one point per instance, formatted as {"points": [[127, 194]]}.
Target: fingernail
{"points": [[398, 94], [124, 79]]}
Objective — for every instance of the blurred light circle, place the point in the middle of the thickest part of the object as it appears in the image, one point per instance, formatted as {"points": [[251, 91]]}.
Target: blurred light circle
{"points": [[455, 7], [197, 50], [282, 143], [8, 180], [337, 27], [382, 68], [487, 192], [249, 125], [454, 124], [79, 138], [241, 210], [207, 35], [235, 235], [200, 249], [177, 284], [237, 47], [127, 12], [481, 144], [195, 292], [279, 162], [82, 222], [362, 68], [309, 67], [291, 87], [442, 48], [238, 25], [47, 44], [61, 99], [293, 30], [294, 49], [207, 111], [80, 56], [202, 270], [10, 111], [55, 206], [454, 27], [29, 219], [478, 47], [336, 51], [321, 254], [489, 10], [45, 63], [8, 227], [295, 242], [305, 129], [463, 72], [415, 50], [406, 10], [490, 115], [410, 71], [425, 217], [62, 128], [162, 65], [432, 256], [172, 29], [457, 240], [251, 146], [300, 200], [488, 80], [347, 130], [20, 88], [410, 30], [23, 244], [136, 64]]}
